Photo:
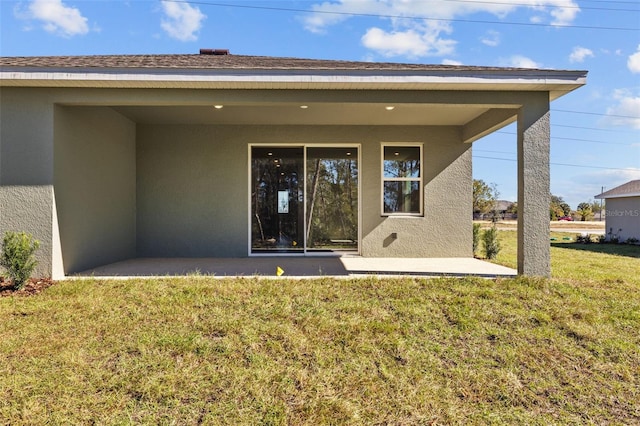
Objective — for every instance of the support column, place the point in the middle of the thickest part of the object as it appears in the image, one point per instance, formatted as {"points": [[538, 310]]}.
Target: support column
{"points": [[26, 175], [534, 193]]}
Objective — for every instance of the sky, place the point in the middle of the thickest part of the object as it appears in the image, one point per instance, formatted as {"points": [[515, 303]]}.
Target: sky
{"points": [[595, 130]]}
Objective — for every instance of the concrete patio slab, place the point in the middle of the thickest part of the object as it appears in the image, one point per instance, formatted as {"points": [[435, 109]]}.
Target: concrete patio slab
{"points": [[344, 266]]}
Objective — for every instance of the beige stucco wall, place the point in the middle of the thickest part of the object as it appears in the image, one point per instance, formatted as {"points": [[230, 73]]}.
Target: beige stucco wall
{"points": [[192, 185], [192, 188], [623, 217], [95, 186]]}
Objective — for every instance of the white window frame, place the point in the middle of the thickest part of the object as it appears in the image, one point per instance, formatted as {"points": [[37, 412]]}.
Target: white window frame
{"points": [[419, 179]]}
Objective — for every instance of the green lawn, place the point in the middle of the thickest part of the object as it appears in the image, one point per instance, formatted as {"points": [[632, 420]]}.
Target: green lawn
{"points": [[389, 351]]}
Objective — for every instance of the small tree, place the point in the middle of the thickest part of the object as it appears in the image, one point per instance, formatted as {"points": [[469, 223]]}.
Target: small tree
{"points": [[17, 256], [558, 207], [476, 237], [484, 196], [585, 212], [491, 242]]}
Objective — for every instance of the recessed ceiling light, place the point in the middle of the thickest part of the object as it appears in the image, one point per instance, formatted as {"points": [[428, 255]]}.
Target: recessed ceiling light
{"points": [[389, 108], [269, 153], [348, 153], [304, 106], [396, 153], [218, 106]]}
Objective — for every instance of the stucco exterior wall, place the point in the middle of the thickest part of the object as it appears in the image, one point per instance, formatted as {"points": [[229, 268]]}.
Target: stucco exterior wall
{"points": [[623, 217], [445, 230], [192, 196], [26, 169], [95, 186], [192, 184]]}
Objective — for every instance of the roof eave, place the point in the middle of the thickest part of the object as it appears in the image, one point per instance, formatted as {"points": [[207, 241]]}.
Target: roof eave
{"points": [[560, 82], [605, 196]]}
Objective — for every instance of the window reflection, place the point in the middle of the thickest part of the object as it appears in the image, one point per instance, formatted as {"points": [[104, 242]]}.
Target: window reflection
{"points": [[401, 162]]}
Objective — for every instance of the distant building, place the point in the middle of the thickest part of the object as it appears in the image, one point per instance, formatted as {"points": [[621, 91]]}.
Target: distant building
{"points": [[499, 211], [622, 212]]}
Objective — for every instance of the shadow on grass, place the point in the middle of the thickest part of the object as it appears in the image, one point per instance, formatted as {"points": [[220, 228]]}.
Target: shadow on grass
{"points": [[614, 249]]}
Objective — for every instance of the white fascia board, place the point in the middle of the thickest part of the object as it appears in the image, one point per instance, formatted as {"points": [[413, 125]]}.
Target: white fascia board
{"points": [[606, 197], [543, 81]]}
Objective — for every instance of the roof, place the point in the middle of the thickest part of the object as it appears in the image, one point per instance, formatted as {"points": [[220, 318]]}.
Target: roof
{"points": [[237, 62], [242, 71], [629, 189], [503, 205]]}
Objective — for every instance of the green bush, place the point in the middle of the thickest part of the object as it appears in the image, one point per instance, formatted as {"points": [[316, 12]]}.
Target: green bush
{"points": [[17, 256], [476, 237], [491, 243], [585, 239]]}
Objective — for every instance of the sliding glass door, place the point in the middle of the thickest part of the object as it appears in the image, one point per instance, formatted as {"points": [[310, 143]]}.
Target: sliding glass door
{"points": [[332, 199], [277, 178], [304, 199]]}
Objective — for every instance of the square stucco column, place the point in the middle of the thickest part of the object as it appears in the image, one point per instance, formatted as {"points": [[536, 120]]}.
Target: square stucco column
{"points": [[534, 187]]}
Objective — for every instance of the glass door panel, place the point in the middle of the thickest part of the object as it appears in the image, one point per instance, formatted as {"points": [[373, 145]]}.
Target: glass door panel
{"points": [[277, 207], [332, 199]]}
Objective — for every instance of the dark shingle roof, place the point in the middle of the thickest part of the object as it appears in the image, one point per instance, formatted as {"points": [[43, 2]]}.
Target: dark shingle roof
{"points": [[240, 62], [629, 189]]}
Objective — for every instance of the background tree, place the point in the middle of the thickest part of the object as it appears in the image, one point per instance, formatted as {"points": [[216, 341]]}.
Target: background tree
{"points": [[596, 207], [558, 208], [484, 196], [584, 211]]}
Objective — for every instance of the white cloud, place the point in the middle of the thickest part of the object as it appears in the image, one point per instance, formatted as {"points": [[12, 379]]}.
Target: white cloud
{"points": [[626, 112], [594, 181], [451, 62], [520, 61], [492, 38], [563, 15], [634, 62], [181, 20], [56, 17], [412, 42], [579, 54], [407, 34]]}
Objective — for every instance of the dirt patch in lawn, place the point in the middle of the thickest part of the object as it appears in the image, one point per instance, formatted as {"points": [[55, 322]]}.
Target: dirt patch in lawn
{"points": [[30, 288]]}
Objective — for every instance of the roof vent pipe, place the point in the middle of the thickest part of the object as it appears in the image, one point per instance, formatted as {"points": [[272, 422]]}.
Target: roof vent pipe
{"points": [[214, 51]]}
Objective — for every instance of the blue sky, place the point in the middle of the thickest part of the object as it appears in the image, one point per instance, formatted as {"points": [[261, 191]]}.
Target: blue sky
{"points": [[595, 132]]}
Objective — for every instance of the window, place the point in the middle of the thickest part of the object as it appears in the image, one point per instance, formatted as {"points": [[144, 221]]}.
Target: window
{"points": [[402, 179]]}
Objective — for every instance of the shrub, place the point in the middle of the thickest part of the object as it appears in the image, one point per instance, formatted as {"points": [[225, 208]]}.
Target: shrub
{"points": [[491, 242], [584, 239], [17, 256], [476, 237], [614, 238]]}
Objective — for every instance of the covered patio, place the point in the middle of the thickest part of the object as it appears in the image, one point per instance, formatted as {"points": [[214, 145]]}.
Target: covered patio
{"points": [[307, 267], [181, 164]]}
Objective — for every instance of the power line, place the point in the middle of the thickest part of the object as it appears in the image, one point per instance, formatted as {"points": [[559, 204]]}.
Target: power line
{"points": [[572, 139], [564, 7], [424, 18], [594, 128], [610, 1], [595, 113], [561, 164]]}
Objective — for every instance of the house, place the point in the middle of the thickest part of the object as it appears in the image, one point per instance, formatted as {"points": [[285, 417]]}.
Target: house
{"points": [[500, 211], [622, 211], [104, 158]]}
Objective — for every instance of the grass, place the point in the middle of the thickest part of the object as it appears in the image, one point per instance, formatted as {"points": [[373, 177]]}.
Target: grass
{"points": [[391, 351]]}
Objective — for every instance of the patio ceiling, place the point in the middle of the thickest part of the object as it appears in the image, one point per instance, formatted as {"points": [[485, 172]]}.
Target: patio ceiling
{"points": [[307, 114]]}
